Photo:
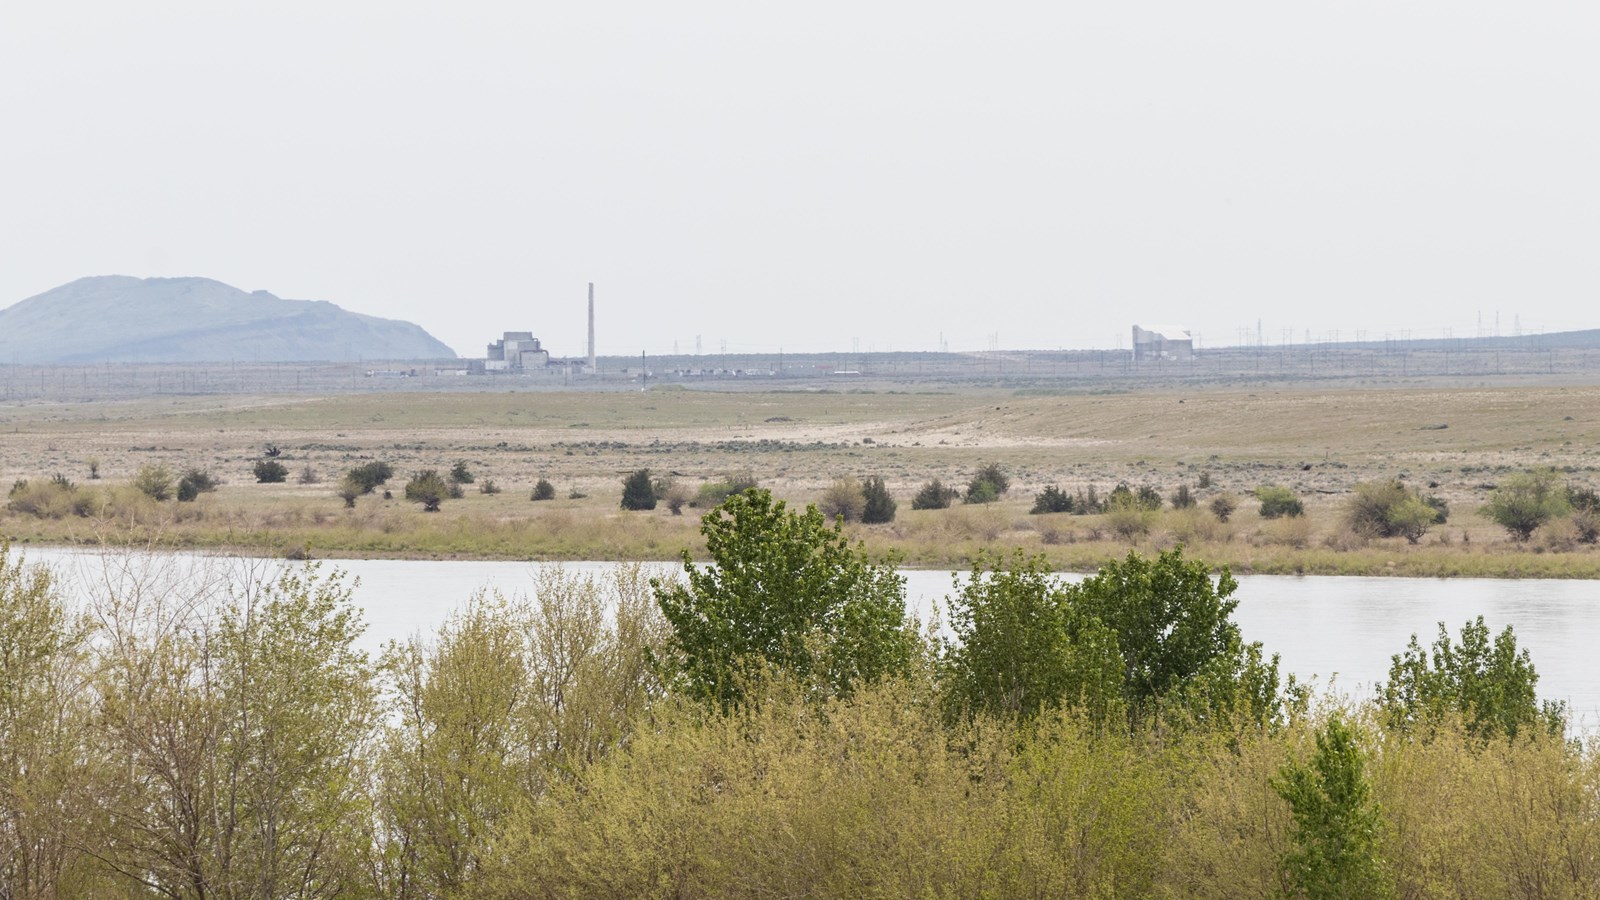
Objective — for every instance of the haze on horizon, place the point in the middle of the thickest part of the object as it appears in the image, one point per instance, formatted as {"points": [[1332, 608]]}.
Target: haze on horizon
{"points": [[824, 177]]}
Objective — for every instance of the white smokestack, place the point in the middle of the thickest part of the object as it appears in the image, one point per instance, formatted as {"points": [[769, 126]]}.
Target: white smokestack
{"points": [[592, 369]]}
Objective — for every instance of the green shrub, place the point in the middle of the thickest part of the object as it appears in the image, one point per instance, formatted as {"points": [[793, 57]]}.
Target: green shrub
{"points": [[638, 491], [427, 488], [544, 490], [844, 500], [194, 483], [880, 507], [934, 495], [1051, 500], [1337, 823], [460, 474], [270, 471], [154, 482], [1390, 509], [370, 475], [1525, 502], [1489, 685], [1278, 501], [989, 485], [487, 486], [1182, 498], [712, 493], [1223, 506]]}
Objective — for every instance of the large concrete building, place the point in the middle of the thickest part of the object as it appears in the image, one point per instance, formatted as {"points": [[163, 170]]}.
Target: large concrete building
{"points": [[517, 351], [1169, 343]]}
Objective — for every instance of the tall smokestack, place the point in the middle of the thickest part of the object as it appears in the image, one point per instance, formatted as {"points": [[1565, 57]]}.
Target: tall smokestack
{"points": [[592, 369]]}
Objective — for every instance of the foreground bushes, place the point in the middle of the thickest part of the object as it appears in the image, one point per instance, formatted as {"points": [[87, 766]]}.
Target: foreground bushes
{"points": [[1115, 737]]}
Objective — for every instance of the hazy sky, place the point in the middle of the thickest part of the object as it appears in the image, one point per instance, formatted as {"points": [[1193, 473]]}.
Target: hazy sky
{"points": [[813, 175]]}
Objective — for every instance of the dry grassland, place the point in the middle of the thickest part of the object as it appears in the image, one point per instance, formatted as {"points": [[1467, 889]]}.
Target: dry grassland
{"points": [[1317, 441]]}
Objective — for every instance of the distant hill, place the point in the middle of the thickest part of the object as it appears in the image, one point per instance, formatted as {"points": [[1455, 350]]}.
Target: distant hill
{"points": [[114, 318]]}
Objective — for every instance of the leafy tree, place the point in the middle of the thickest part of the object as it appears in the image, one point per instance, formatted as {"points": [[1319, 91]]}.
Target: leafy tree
{"points": [[879, 507], [934, 495], [784, 592], [1148, 498], [544, 490], [844, 500], [1051, 500], [1179, 645], [1278, 502], [371, 475], [154, 482], [1337, 822], [1525, 502], [427, 488], [460, 474], [270, 471], [638, 491], [1021, 645], [1490, 685]]}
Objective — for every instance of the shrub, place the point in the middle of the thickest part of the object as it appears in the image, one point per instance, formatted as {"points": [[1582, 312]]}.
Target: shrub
{"points": [[51, 499], [454, 489], [1051, 500], [934, 495], [1526, 501], [270, 471], [154, 482], [427, 488], [988, 485], [349, 489], [371, 475], [713, 493], [1278, 501], [1088, 502], [308, 475], [638, 491], [1148, 498], [460, 474], [1182, 498], [880, 507], [1129, 520], [544, 490], [487, 486], [1223, 506], [1390, 509], [94, 468], [843, 500], [1204, 481], [194, 483]]}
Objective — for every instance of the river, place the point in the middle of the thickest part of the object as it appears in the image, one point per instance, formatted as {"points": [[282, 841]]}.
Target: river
{"points": [[1339, 631]]}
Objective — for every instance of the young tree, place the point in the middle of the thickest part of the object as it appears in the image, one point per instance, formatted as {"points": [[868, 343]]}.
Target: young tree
{"points": [[349, 489], [988, 485], [544, 490], [1490, 685], [460, 474], [427, 488], [1051, 500], [639, 491], [1526, 501], [879, 507], [784, 591], [154, 482], [1337, 823], [1390, 509], [371, 475], [1222, 506]]}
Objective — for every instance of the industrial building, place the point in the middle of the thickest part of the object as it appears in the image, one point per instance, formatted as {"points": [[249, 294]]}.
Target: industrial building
{"points": [[516, 351], [1169, 343]]}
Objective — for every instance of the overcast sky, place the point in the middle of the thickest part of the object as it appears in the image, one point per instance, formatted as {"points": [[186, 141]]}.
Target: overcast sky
{"points": [[821, 176]]}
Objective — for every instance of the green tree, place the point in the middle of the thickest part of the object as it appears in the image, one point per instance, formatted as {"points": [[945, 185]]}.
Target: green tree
{"points": [[371, 475], [1526, 501], [784, 591], [460, 474], [349, 489], [639, 491], [544, 490], [989, 485], [1051, 500], [1491, 685], [427, 488], [1021, 645], [1337, 822], [879, 507], [1390, 509]]}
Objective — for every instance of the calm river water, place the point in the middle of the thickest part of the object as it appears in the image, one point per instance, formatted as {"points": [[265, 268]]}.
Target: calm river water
{"points": [[1338, 630]]}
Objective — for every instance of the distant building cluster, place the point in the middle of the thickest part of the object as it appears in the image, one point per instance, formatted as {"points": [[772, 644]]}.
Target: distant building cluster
{"points": [[516, 351], [1168, 343]]}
